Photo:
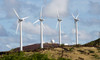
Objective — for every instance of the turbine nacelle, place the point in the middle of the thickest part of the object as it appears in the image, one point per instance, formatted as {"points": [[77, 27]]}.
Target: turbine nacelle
{"points": [[59, 20], [20, 20], [41, 19], [76, 20]]}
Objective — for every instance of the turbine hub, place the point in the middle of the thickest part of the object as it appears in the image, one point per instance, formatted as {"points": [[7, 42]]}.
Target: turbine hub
{"points": [[59, 20], [20, 20], [41, 19], [76, 19]]}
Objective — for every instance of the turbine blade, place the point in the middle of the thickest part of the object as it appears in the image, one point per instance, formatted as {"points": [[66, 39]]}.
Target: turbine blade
{"points": [[77, 16], [36, 21], [16, 13], [73, 16], [17, 27], [57, 14], [41, 12], [57, 25], [25, 18]]}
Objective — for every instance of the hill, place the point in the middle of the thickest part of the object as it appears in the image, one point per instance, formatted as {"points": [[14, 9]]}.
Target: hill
{"points": [[88, 51], [36, 47], [57, 53], [95, 43]]}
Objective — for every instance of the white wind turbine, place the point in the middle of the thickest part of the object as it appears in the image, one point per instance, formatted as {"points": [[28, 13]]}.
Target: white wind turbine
{"points": [[41, 27], [59, 22], [76, 19], [19, 22]]}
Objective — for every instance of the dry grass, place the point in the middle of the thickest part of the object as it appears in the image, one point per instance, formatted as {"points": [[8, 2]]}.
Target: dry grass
{"points": [[77, 53]]}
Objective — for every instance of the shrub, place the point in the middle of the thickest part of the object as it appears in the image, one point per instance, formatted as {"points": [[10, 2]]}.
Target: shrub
{"points": [[90, 51], [71, 49]]}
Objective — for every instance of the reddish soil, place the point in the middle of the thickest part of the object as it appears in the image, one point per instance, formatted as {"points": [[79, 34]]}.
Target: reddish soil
{"points": [[36, 47]]}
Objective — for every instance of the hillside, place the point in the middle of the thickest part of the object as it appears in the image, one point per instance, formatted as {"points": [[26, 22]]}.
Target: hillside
{"points": [[95, 43], [36, 47], [57, 53]]}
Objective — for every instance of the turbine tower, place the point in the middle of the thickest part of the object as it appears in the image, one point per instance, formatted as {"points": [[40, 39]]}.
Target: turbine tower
{"points": [[41, 27], [19, 22], [59, 22], [76, 19]]}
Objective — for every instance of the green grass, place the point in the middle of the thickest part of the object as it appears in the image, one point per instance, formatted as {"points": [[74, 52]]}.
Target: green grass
{"points": [[22, 56]]}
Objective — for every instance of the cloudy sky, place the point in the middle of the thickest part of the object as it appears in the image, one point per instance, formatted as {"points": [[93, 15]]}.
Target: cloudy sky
{"points": [[88, 25]]}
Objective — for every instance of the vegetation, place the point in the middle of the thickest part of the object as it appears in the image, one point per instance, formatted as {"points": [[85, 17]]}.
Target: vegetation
{"points": [[94, 43], [96, 56], [22, 56]]}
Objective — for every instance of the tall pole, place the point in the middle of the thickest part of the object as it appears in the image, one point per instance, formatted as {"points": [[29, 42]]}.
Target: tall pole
{"points": [[76, 26], [21, 48], [41, 33], [60, 32]]}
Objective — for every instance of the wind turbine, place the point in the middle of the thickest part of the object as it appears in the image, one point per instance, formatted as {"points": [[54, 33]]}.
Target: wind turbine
{"points": [[19, 22], [41, 27], [59, 22], [76, 19]]}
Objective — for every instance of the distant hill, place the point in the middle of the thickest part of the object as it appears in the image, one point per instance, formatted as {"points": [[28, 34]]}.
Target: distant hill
{"points": [[95, 43], [36, 47]]}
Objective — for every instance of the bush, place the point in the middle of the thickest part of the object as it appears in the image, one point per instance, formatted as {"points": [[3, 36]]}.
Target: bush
{"points": [[71, 49], [90, 51]]}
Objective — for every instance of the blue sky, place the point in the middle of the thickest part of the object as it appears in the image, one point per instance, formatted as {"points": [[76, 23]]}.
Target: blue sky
{"points": [[88, 25]]}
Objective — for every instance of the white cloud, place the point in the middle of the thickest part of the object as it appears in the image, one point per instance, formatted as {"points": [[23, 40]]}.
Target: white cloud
{"points": [[83, 35], [28, 27], [49, 33], [51, 9], [22, 7]]}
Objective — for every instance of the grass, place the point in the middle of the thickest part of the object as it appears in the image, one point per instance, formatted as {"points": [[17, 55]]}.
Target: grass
{"points": [[96, 56], [22, 56], [59, 53]]}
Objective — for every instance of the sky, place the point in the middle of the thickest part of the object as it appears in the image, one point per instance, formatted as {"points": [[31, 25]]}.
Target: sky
{"points": [[88, 24]]}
